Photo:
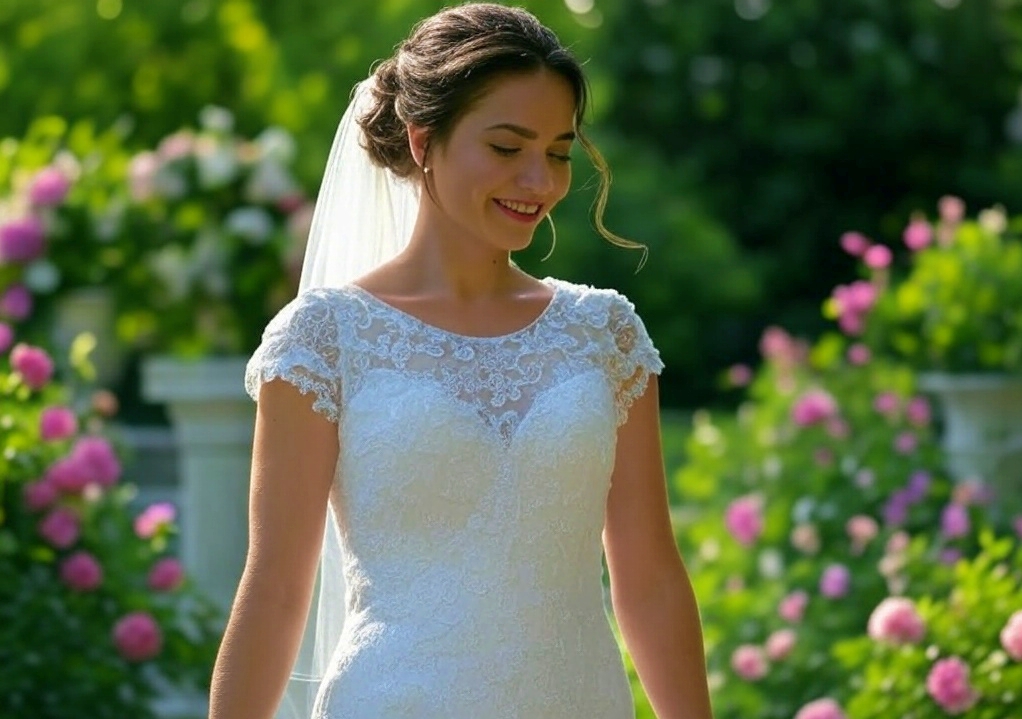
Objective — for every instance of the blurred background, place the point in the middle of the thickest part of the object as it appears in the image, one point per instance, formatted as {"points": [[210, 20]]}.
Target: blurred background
{"points": [[745, 135]]}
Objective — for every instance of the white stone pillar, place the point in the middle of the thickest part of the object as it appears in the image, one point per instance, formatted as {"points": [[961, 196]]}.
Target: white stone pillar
{"points": [[213, 422]]}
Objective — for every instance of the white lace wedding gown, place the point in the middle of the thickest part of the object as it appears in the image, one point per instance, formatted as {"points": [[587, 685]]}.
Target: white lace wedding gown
{"points": [[470, 495]]}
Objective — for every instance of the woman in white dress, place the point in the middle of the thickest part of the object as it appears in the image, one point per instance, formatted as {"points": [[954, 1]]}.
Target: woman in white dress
{"points": [[470, 439]]}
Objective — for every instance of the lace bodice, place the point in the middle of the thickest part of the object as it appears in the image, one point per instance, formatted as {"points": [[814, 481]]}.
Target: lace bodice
{"points": [[470, 497]]}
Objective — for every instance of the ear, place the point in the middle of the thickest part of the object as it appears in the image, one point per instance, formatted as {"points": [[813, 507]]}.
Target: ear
{"points": [[418, 142]]}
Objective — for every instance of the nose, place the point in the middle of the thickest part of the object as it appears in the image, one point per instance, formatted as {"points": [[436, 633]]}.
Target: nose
{"points": [[536, 177]]}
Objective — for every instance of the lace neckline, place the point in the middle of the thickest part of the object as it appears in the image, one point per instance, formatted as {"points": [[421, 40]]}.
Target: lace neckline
{"points": [[531, 325]]}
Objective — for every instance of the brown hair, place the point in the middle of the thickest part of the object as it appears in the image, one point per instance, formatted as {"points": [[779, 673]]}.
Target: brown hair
{"points": [[446, 64]]}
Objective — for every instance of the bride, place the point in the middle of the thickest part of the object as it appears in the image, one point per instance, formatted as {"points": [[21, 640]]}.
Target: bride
{"points": [[445, 447]]}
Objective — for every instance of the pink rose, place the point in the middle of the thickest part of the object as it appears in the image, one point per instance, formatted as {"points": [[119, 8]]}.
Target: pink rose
{"points": [[918, 411], [951, 209], [821, 709], [166, 575], [16, 303], [861, 529], [854, 243], [877, 257], [49, 187], [33, 364], [813, 407], [793, 606], [98, 459], [68, 476], [906, 443], [859, 354], [81, 572], [918, 235], [138, 637], [886, 403], [835, 581], [1011, 636], [954, 521], [780, 643], [153, 518], [57, 423], [6, 336], [749, 662], [744, 519], [857, 298], [22, 240], [60, 528], [896, 621], [948, 684], [39, 495]]}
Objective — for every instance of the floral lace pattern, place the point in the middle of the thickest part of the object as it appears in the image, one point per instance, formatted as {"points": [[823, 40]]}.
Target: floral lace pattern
{"points": [[470, 495]]}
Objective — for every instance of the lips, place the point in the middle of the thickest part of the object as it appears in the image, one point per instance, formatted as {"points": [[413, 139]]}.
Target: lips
{"points": [[523, 217]]}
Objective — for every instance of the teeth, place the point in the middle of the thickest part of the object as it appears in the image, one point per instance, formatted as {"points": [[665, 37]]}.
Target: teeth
{"points": [[520, 207]]}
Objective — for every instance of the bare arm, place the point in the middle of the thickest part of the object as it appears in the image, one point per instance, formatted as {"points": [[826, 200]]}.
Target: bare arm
{"points": [[294, 456], [650, 588]]}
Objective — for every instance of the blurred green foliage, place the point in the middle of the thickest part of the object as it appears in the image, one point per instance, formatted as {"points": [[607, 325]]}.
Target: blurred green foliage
{"points": [[745, 135]]}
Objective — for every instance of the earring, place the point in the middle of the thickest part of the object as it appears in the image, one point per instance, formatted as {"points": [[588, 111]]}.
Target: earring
{"points": [[427, 170]]}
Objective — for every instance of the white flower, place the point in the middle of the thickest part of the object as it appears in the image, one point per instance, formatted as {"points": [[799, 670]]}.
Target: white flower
{"points": [[216, 119], [217, 166], [254, 224], [276, 143], [269, 182]]}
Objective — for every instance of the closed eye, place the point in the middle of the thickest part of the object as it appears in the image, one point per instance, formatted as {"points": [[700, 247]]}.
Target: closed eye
{"points": [[509, 151]]}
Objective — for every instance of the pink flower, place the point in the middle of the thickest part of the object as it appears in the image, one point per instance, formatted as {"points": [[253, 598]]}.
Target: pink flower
{"points": [[950, 556], [886, 403], [948, 684], [1011, 636], [813, 407], [859, 354], [951, 209], [918, 411], [835, 581], [49, 187], [68, 476], [858, 297], [906, 443], [778, 346], [153, 518], [60, 528], [744, 519], [896, 621], [137, 637], [954, 521], [16, 303], [918, 486], [22, 240], [838, 428], [81, 572], [854, 243], [739, 375], [780, 643], [39, 495], [749, 662], [805, 538], [6, 336], [793, 606], [862, 529], [851, 324], [166, 575], [176, 146], [877, 257], [33, 364], [57, 423], [825, 708], [918, 235], [97, 458], [142, 175]]}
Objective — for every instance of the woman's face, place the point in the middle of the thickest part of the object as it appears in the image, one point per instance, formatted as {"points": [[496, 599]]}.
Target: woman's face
{"points": [[505, 165]]}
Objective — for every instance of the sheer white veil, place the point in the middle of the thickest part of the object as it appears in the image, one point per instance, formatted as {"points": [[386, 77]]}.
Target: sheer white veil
{"points": [[363, 217]]}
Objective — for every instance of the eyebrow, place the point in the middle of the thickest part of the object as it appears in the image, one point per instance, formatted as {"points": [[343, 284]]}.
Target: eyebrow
{"points": [[527, 133]]}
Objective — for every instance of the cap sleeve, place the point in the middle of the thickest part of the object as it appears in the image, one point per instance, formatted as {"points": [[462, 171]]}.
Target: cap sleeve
{"points": [[633, 355], [301, 345]]}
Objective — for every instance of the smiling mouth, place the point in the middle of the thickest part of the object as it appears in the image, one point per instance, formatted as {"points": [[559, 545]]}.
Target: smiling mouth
{"points": [[522, 211]]}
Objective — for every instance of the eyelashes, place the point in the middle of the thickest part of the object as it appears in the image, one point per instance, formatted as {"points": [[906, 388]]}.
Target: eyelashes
{"points": [[509, 151]]}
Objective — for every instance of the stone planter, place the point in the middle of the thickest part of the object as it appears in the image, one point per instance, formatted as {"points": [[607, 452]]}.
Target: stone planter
{"points": [[982, 435], [91, 309], [213, 421]]}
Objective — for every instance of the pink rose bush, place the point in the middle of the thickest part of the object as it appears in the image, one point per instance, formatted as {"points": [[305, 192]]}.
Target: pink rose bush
{"points": [[79, 578]]}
